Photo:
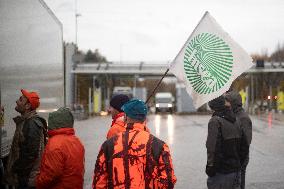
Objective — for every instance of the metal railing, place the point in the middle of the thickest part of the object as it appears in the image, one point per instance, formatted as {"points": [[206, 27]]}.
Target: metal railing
{"points": [[153, 68]]}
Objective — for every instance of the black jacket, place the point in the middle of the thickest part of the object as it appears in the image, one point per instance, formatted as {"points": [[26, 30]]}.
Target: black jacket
{"points": [[29, 148], [224, 153], [25, 153]]}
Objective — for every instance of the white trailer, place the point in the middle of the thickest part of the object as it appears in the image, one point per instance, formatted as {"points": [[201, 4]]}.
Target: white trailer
{"points": [[31, 58]]}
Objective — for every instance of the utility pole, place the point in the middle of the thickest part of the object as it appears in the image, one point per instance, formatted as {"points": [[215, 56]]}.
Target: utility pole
{"points": [[76, 50], [76, 23]]}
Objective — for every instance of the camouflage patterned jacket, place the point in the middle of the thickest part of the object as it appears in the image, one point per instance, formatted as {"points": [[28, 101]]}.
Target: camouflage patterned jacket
{"points": [[134, 159]]}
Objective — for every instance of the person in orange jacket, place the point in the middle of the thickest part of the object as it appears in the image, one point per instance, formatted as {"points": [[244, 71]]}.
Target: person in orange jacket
{"points": [[118, 124], [62, 164], [134, 159]]}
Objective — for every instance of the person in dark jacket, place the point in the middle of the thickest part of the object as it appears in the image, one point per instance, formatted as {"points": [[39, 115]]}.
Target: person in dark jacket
{"points": [[224, 154], [28, 143], [134, 159], [234, 101]]}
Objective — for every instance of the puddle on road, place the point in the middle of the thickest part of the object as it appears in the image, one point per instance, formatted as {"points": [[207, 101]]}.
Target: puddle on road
{"points": [[168, 122]]}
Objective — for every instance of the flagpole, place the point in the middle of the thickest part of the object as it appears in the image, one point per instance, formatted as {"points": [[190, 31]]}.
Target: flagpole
{"points": [[153, 92]]}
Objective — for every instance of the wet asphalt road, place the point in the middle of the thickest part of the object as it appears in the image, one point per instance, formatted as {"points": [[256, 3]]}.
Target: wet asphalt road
{"points": [[186, 136]]}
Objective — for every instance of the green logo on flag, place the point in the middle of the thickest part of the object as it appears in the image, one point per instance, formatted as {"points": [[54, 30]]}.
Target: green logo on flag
{"points": [[208, 63]]}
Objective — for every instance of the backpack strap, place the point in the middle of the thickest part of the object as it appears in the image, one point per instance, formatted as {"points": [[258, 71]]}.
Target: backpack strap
{"points": [[220, 125], [108, 149], [157, 147]]}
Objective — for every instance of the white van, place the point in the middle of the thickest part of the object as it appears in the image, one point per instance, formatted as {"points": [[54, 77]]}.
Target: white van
{"points": [[164, 102]]}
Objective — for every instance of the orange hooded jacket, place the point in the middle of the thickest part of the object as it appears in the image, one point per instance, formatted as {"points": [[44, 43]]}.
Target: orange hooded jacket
{"points": [[134, 159], [62, 164], [117, 125]]}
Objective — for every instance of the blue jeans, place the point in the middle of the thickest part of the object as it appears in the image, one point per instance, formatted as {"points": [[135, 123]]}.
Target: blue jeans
{"points": [[224, 181]]}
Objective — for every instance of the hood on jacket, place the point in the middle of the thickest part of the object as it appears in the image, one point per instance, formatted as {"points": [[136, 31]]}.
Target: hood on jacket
{"points": [[235, 99], [61, 131], [220, 110], [62, 118]]}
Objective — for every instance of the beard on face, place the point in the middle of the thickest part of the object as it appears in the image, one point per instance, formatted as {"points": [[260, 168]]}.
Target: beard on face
{"points": [[19, 109]]}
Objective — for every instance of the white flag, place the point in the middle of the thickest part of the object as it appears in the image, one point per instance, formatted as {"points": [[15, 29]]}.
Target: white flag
{"points": [[209, 61]]}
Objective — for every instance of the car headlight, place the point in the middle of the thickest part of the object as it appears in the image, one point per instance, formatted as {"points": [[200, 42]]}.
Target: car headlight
{"points": [[157, 105], [170, 105]]}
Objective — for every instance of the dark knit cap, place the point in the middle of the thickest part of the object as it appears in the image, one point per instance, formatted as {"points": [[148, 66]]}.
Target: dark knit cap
{"points": [[217, 103], [118, 101], [62, 118]]}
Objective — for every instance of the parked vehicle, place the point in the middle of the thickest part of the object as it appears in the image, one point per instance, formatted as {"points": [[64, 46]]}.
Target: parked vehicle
{"points": [[164, 102], [140, 93], [123, 90]]}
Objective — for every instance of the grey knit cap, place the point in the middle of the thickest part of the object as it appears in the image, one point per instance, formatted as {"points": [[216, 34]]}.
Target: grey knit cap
{"points": [[62, 118]]}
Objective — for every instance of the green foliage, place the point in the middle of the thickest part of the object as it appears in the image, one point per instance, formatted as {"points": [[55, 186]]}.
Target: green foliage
{"points": [[278, 54], [94, 57]]}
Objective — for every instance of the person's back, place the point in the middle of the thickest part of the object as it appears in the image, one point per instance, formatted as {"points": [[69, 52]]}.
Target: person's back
{"points": [[71, 151], [136, 159], [224, 153], [62, 163], [227, 145]]}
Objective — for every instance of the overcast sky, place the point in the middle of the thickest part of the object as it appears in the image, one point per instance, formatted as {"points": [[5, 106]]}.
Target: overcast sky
{"points": [[155, 30]]}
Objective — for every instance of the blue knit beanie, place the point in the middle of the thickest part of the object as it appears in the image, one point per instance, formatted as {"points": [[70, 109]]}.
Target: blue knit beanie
{"points": [[135, 109]]}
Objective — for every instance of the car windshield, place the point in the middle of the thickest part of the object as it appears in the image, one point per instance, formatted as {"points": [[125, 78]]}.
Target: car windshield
{"points": [[163, 100]]}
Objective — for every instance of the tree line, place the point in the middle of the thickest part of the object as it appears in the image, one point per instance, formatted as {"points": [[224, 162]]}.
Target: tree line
{"points": [[93, 56], [276, 56]]}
